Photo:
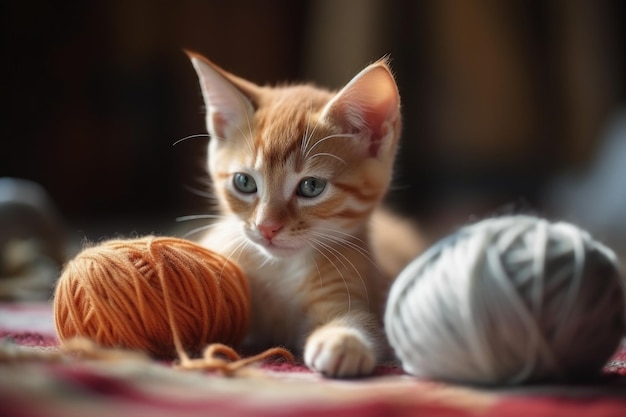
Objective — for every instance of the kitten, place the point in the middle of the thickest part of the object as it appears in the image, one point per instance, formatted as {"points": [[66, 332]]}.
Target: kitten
{"points": [[298, 173]]}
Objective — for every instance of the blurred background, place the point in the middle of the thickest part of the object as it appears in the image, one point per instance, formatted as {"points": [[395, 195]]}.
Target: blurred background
{"points": [[508, 106]]}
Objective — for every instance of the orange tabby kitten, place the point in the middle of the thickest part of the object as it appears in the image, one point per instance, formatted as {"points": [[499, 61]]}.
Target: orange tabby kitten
{"points": [[298, 172]]}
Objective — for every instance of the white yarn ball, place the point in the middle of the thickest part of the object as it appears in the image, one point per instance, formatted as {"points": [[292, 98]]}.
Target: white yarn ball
{"points": [[508, 300]]}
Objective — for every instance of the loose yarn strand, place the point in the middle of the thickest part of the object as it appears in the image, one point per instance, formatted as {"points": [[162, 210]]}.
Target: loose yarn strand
{"points": [[212, 359]]}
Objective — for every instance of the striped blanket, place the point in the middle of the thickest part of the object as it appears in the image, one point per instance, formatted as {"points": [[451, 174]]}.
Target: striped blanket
{"points": [[36, 381]]}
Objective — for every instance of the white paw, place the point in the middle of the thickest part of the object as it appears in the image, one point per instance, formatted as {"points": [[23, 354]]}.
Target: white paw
{"points": [[339, 353]]}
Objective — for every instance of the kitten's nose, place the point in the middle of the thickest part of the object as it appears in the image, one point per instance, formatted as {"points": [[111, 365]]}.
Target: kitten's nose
{"points": [[269, 230]]}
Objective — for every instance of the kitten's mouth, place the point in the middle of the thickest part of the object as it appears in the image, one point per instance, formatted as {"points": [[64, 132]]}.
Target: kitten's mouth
{"points": [[272, 246], [276, 250], [279, 252]]}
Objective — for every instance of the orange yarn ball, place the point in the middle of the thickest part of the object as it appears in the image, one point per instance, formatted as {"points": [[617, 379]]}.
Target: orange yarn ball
{"points": [[145, 293]]}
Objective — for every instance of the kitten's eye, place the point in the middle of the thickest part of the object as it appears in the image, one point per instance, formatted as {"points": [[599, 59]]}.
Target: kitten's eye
{"points": [[244, 183], [311, 187]]}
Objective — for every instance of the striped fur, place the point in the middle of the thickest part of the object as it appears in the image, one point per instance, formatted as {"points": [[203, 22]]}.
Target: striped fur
{"points": [[315, 284]]}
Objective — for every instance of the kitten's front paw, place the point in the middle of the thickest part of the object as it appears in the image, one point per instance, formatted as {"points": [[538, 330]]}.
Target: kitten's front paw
{"points": [[339, 353]]}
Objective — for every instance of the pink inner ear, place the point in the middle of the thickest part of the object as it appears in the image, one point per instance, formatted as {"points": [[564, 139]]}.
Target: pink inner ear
{"points": [[227, 104], [369, 104], [378, 130], [375, 142], [372, 126], [219, 123]]}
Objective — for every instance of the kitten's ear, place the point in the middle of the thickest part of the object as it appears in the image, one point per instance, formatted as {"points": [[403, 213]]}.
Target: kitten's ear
{"points": [[229, 100], [369, 105]]}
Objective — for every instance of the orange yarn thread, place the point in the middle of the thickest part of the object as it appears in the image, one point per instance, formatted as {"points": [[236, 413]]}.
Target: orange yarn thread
{"points": [[160, 295], [221, 358]]}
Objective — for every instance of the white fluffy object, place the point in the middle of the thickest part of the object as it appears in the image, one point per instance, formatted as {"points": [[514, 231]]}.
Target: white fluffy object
{"points": [[508, 300]]}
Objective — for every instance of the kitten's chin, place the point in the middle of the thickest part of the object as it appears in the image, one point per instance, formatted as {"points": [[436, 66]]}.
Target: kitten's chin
{"points": [[278, 251]]}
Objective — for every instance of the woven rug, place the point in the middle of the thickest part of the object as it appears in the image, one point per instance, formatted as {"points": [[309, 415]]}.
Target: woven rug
{"points": [[33, 384]]}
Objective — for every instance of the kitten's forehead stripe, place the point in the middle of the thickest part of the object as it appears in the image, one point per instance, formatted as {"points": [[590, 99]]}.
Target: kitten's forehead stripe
{"points": [[284, 122], [276, 152]]}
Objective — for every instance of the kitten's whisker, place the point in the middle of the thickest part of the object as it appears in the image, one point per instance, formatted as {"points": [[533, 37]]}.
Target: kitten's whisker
{"points": [[319, 273], [330, 155], [248, 138], [319, 250], [349, 245], [240, 247], [198, 135], [347, 240], [201, 193], [308, 139], [267, 260], [198, 230], [325, 138], [337, 255], [335, 231]]}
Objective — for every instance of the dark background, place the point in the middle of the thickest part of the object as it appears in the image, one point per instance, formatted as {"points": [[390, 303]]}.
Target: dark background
{"points": [[500, 98]]}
